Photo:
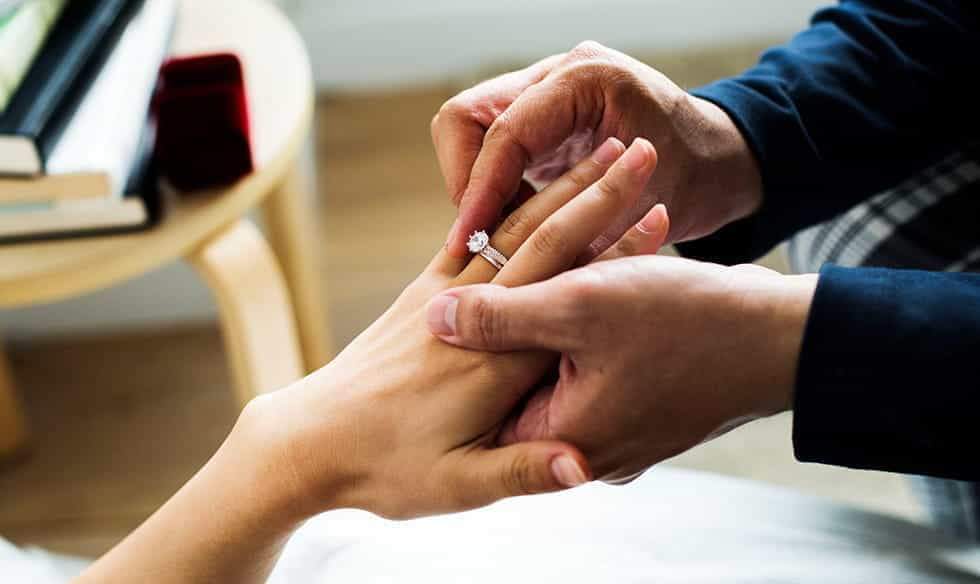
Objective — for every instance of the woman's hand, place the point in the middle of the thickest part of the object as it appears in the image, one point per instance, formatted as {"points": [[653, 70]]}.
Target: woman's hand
{"points": [[403, 425], [400, 423]]}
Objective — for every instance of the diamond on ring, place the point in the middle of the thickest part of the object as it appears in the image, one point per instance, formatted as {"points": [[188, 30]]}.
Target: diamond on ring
{"points": [[478, 241]]}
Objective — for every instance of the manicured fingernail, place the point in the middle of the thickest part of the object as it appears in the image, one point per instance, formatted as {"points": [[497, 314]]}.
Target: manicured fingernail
{"points": [[441, 315], [636, 156], [567, 471], [652, 221], [609, 152]]}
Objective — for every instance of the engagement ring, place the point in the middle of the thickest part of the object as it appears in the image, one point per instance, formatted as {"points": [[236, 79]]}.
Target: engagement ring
{"points": [[480, 243]]}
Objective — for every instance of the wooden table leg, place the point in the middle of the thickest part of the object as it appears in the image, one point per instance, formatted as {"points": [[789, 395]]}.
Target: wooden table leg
{"points": [[291, 227], [257, 319], [13, 424]]}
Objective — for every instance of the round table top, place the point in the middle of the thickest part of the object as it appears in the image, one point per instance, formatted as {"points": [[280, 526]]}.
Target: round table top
{"points": [[280, 93]]}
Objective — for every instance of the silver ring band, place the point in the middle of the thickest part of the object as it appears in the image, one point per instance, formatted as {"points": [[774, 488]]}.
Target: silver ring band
{"points": [[479, 243], [493, 256]]}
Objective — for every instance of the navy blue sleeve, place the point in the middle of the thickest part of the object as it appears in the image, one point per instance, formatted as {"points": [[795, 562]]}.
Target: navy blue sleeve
{"points": [[889, 372], [872, 92]]}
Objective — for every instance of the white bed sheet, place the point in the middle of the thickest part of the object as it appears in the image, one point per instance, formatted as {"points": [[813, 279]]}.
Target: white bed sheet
{"points": [[670, 526]]}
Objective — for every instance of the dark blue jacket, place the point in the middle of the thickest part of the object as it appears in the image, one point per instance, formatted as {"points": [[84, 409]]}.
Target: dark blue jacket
{"points": [[873, 91]]}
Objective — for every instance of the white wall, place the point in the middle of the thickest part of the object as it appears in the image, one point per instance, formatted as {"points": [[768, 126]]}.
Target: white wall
{"points": [[384, 42], [374, 43]]}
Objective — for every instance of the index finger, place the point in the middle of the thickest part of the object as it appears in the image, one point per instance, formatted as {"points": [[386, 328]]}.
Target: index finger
{"points": [[539, 120], [459, 126]]}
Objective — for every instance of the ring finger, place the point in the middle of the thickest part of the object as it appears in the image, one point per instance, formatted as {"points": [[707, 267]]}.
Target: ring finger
{"points": [[563, 236], [524, 222]]}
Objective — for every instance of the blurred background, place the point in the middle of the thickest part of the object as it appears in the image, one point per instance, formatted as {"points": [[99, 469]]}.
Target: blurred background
{"points": [[134, 377]]}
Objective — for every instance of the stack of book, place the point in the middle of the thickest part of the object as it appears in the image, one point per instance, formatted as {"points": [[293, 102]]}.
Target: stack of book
{"points": [[76, 82]]}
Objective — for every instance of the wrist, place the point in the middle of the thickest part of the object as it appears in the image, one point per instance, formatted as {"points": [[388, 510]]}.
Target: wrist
{"points": [[298, 443], [787, 315], [773, 310], [262, 456], [725, 180]]}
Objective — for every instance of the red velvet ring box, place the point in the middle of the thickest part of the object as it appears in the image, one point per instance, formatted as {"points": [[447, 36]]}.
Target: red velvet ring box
{"points": [[203, 137]]}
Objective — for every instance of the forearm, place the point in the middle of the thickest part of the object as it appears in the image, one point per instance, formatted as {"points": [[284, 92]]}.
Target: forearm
{"points": [[227, 524], [888, 374], [870, 93]]}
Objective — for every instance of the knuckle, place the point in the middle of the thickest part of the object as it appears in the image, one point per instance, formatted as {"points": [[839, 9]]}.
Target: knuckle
{"points": [[581, 176], [592, 68], [518, 478], [504, 135], [619, 82], [457, 112], [486, 320], [550, 238], [452, 109], [500, 130], [593, 61], [517, 225], [587, 49], [627, 246], [608, 190]]}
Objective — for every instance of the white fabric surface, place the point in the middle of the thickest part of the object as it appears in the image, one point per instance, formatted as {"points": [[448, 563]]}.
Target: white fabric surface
{"points": [[670, 526], [35, 566]]}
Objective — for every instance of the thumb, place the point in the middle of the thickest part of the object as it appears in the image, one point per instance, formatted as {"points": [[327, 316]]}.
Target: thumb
{"points": [[527, 468], [493, 318]]}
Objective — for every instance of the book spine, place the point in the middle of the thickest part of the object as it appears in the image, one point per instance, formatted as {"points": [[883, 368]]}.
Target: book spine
{"points": [[79, 71], [7, 7], [22, 34]]}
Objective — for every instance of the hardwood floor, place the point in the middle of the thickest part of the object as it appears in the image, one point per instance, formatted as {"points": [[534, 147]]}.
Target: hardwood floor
{"points": [[120, 422], [384, 211]]}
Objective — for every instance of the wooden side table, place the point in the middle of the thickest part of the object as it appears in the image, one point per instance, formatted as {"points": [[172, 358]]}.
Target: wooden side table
{"points": [[268, 295]]}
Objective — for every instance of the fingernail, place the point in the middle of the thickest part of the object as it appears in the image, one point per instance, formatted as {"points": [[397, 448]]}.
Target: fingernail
{"points": [[441, 315], [652, 220], [567, 471], [609, 152], [636, 156]]}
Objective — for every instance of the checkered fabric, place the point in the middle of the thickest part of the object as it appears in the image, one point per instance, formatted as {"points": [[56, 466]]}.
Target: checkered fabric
{"points": [[928, 222]]}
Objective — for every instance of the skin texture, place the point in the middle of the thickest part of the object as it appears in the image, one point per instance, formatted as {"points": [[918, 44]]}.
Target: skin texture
{"points": [[658, 354], [537, 122], [400, 423]]}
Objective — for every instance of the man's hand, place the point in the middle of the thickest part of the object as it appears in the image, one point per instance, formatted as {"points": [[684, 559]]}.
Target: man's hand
{"points": [[537, 122], [659, 354]]}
